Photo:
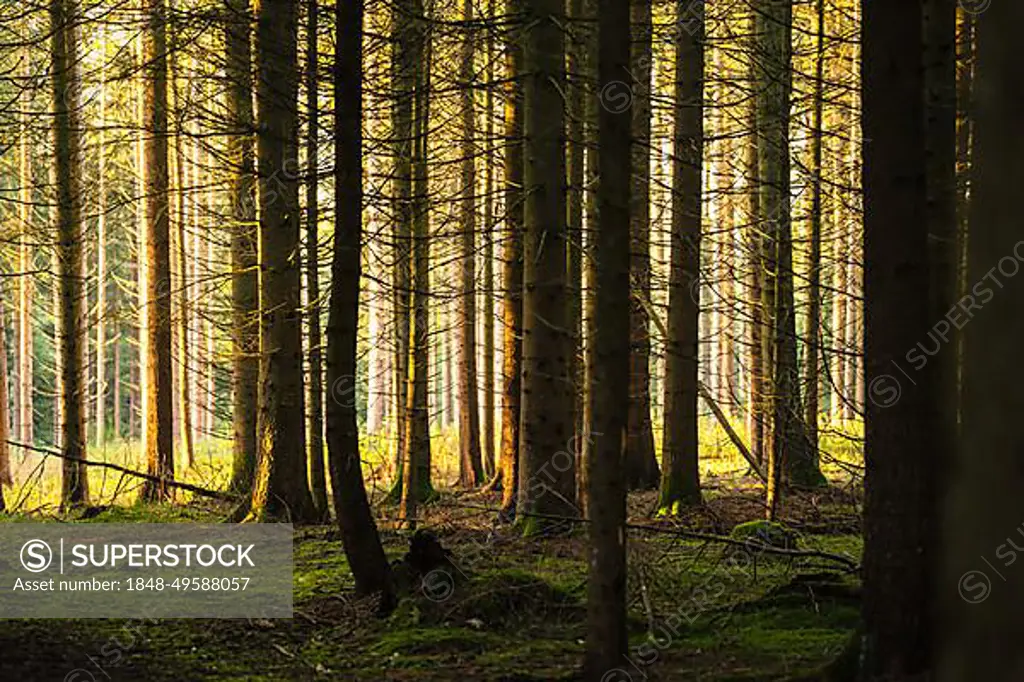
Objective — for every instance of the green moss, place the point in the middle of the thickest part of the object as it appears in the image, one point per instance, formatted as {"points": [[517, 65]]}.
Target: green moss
{"points": [[765, 532]]}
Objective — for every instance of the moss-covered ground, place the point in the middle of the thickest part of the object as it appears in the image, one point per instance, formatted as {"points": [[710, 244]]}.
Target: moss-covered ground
{"points": [[515, 608]]}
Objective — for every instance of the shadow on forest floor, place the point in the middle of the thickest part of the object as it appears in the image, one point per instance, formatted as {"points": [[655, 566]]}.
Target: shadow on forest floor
{"points": [[514, 610]]}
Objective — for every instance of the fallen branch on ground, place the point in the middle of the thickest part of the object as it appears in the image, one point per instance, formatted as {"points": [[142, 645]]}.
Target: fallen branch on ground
{"points": [[205, 492]]}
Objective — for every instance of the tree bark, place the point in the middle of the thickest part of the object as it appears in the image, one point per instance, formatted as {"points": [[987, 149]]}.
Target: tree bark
{"points": [[900, 506], [281, 487], [487, 428], [403, 77], [67, 85], [470, 459], [547, 419], [25, 282], [5, 416], [512, 266], [359, 532], [417, 409], [680, 477], [318, 479], [641, 464], [610, 359], [982, 510], [812, 353], [244, 272]]}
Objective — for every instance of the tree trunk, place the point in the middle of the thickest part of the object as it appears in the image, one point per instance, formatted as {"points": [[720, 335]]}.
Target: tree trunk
{"points": [[813, 349], [983, 507], [5, 417], [318, 479], [576, 132], [755, 247], [641, 465], [66, 85], [403, 76], [789, 454], [488, 259], [281, 487], [547, 418], [25, 282], [900, 507], [470, 460], [610, 359], [182, 168], [244, 272], [680, 477], [359, 533], [417, 419], [512, 267]]}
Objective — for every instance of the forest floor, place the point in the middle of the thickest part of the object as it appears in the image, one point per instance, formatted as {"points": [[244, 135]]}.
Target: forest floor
{"points": [[700, 609]]}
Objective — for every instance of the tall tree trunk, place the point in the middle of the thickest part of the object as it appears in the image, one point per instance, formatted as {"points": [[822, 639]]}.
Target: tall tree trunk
{"points": [[244, 272], [512, 266], [488, 259], [183, 195], [137, 395], [592, 180], [281, 487], [680, 477], [5, 417], [576, 132], [964, 132], [318, 480], [755, 246], [790, 454], [982, 510], [67, 85], [25, 282], [547, 419], [901, 424], [158, 390], [610, 359], [417, 420], [101, 251], [470, 460], [403, 76], [813, 350], [116, 388], [359, 533], [641, 464]]}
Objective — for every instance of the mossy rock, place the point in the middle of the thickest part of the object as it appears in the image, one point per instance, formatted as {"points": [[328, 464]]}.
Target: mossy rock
{"points": [[761, 532], [502, 599]]}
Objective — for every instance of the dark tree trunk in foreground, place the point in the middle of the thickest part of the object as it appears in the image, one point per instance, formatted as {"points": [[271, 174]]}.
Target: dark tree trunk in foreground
{"points": [[158, 394], [281, 487], [512, 270], [641, 464], [983, 514], [680, 477], [244, 274], [358, 531], [317, 478], [900, 507], [609, 349], [547, 482], [68, 157]]}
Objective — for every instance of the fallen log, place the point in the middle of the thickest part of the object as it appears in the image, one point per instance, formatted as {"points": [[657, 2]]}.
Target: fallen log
{"points": [[198, 490]]}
